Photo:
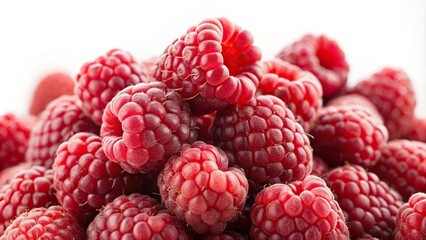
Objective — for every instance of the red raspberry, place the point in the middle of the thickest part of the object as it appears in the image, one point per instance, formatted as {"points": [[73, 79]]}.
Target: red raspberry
{"points": [[300, 90], [298, 210], [136, 217], [214, 64], [411, 219], [148, 67], [370, 205], [323, 57], [144, 124], [393, 95], [418, 130], [99, 81], [264, 139], [243, 221], [85, 179], [225, 236], [57, 123], [348, 134], [199, 188], [319, 167], [403, 166], [7, 173], [44, 223], [28, 189], [204, 123], [48, 89]]}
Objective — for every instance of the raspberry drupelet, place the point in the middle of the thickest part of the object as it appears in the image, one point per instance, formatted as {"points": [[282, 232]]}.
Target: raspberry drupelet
{"points": [[411, 218], [418, 130]]}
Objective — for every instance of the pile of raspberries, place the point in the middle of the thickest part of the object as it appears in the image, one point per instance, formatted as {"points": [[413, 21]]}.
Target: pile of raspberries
{"points": [[210, 141]]}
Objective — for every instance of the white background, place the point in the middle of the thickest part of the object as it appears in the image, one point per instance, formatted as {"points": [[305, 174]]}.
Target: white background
{"points": [[37, 37]]}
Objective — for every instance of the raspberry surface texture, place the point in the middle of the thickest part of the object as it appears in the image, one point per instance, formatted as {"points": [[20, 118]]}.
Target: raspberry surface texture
{"points": [[418, 130], [145, 124], [225, 236], [201, 190], [99, 81], [204, 123], [299, 210], [411, 218], [321, 56], [213, 65], [300, 90], [370, 205], [7, 173], [136, 217]]}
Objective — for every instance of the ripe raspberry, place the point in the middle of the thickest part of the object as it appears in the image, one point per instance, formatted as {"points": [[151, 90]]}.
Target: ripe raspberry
{"points": [[298, 210], [57, 123], [144, 124], [214, 64], [99, 81], [28, 189], [48, 89], [403, 166], [264, 139], [323, 57], [300, 90], [136, 217], [411, 219], [148, 67], [319, 167], [348, 134], [391, 92], [85, 179], [7, 173], [370, 205], [225, 236], [418, 130], [199, 188], [203, 124]]}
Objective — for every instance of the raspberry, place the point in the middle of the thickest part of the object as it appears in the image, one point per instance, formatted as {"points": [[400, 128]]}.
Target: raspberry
{"points": [[323, 57], [298, 210], [319, 167], [214, 64], [225, 236], [7, 173], [136, 217], [403, 166], [418, 130], [393, 95], [264, 139], [144, 124], [348, 134], [199, 188], [99, 81], [28, 189], [48, 89], [44, 223], [243, 221], [204, 123], [85, 179], [370, 205], [300, 90], [148, 67], [57, 123], [411, 219]]}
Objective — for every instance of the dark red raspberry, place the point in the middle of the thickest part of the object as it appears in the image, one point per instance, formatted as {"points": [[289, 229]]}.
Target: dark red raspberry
{"points": [[370, 205], [204, 123], [243, 221], [348, 134], [199, 188], [44, 223], [7, 173], [144, 124], [403, 166], [300, 90], [99, 81], [319, 167], [136, 217], [48, 89], [418, 130], [28, 189], [57, 123], [86, 180], [411, 219], [323, 57], [225, 236], [393, 95], [264, 139], [214, 64], [298, 210]]}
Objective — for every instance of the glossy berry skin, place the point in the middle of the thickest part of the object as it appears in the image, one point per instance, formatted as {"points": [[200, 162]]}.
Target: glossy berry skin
{"points": [[370, 205], [264, 139], [201, 190], [213, 65], [411, 218], [137, 217], [348, 134], [44, 223], [300, 90], [99, 81], [204, 123], [402, 166], [7, 173], [299, 210], [321, 56], [144, 125], [418, 130]]}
